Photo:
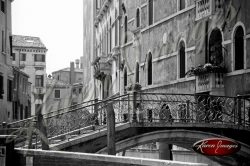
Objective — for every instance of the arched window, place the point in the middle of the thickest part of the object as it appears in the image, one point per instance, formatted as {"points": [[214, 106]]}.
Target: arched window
{"points": [[150, 12], [110, 35], [150, 69], [137, 73], [239, 48], [215, 47], [182, 60], [137, 18], [125, 29], [125, 77], [182, 4]]}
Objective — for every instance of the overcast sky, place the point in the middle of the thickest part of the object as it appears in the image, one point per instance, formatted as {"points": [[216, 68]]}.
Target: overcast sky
{"points": [[59, 24]]}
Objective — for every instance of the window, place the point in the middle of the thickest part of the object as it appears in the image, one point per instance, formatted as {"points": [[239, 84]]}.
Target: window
{"points": [[11, 46], [182, 59], [137, 18], [39, 81], [150, 12], [2, 6], [239, 49], [39, 58], [3, 41], [21, 112], [9, 94], [137, 73], [1, 87], [15, 113], [116, 28], [125, 78], [150, 69], [125, 29], [14, 56], [57, 94], [215, 47], [23, 57], [26, 112], [24, 85], [182, 4], [39, 68]]}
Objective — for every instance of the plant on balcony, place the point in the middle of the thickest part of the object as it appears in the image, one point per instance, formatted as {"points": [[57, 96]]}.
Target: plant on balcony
{"points": [[99, 75], [207, 68], [134, 87]]}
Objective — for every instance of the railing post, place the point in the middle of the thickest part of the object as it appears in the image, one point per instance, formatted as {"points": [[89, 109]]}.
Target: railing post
{"points": [[42, 131], [188, 111], [30, 133], [239, 109], [134, 106], [96, 112], [111, 129]]}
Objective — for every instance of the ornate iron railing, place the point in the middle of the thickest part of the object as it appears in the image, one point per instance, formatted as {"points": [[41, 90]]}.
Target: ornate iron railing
{"points": [[186, 108], [143, 107]]}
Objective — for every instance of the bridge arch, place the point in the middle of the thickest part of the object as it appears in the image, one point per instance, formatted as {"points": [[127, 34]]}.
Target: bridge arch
{"points": [[185, 139]]}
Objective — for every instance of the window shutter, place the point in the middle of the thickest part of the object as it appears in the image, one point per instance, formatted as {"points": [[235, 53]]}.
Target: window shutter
{"points": [[1, 87]]}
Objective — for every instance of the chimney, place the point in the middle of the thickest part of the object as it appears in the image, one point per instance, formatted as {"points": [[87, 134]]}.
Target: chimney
{"points": [[77, 63], [72, 73]]}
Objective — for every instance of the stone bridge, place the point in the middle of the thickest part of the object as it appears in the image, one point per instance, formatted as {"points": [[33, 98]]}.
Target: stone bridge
{"points": [[122, 122]]}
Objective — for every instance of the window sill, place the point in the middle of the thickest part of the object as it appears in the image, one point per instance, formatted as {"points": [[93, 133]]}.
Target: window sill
{"points": [[238, 72], [180, 80]]}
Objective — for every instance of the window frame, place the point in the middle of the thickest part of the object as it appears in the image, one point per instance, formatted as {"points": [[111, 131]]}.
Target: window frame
{"points": [[137, 73], [238, 24], [36, 59], [125, 29], [3, 6], [138, 17], [179, 76], [9, 90], [1, 86], [23, 57], [151, 23], [125, 78], [179, 5], [42, 81], [58, 94], [150, 69]]}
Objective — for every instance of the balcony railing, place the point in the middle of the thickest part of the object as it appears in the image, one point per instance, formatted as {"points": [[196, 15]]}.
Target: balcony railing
{"points": [[39, 90], [210, 82], [205, 8]]}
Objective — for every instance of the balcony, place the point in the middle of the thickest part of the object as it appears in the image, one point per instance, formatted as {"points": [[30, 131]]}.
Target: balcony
{"points": [[205, 8], [102, 67], [209, 78], [39, 90], [210, 82]]}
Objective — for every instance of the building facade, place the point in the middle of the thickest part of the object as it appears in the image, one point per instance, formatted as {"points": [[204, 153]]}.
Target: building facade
{"points": [[58, 95], [6, 74], [21, 101], [88, 50], [180, 46], [156, 43], [70, 75], [29, 54]]}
